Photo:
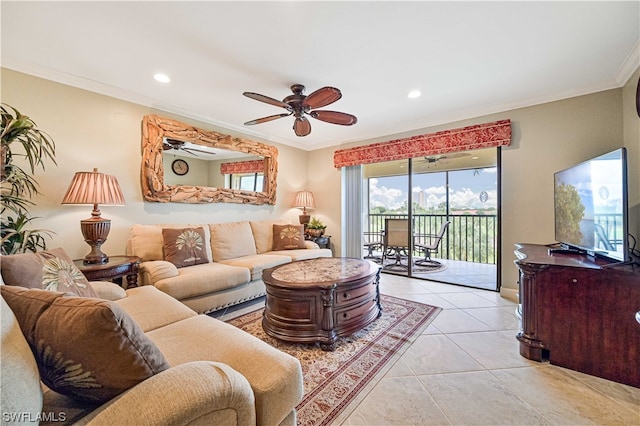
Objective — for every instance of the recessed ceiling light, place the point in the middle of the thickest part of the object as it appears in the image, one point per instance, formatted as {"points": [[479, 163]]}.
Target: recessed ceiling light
{"points": [[414, 94], [162, 78], [474, 158]]}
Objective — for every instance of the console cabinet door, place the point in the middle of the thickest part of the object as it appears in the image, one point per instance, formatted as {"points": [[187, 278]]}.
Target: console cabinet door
{"points": [[586, 321]]}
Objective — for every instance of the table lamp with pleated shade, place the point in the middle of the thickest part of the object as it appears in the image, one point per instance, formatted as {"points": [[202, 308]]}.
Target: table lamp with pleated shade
{"points": [[94, 188], [304, 200]]}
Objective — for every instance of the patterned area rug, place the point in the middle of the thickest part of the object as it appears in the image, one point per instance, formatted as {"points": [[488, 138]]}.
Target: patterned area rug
{"points": [[336, 382]]}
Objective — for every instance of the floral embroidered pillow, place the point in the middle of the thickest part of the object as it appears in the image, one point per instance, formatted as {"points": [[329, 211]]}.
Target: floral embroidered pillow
{"points": [[48, 270], [86, 348], [184, 247], [288, 237]]}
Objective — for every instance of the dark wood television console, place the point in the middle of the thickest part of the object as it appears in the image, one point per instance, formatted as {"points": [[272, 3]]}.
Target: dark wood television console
{"points": [[578, 312]]}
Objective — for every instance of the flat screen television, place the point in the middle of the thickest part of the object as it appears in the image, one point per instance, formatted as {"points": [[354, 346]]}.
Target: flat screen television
{"points": [[591, 206]]}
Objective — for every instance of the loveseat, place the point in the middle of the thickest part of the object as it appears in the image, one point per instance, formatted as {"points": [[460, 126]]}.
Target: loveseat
{"points": [[196, 369], [226, 261]]}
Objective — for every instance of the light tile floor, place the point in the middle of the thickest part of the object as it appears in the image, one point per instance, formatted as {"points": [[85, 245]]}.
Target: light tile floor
{"points": [[465, 369]]}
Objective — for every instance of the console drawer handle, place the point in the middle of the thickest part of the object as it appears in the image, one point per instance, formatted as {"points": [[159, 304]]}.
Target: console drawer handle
{"points": [[347, 296], [345, 315]]}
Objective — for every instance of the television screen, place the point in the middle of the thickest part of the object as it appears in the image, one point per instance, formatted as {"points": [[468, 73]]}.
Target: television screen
{"points": [[590, 201]]}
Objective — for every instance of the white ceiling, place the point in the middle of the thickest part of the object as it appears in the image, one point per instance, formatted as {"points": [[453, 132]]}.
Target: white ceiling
{"points": [[467, 58]]}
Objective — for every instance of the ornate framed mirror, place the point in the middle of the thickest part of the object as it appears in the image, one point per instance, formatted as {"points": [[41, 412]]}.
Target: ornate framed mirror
{"points": [[160, 134]]}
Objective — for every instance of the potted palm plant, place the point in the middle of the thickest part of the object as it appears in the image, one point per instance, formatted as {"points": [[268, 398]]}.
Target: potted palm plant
{"points": [[315, 227], [21, 139]]}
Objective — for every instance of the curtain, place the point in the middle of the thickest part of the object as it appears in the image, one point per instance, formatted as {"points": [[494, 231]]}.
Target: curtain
{"points": [[255, 166], [352, 211], [486, 135]]}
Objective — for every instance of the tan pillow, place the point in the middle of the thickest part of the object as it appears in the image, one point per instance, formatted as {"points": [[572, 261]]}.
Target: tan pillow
{"points": [[263, 234], [49, 270], [288, 237], [91, 350], [184, 247], [231, 240]]}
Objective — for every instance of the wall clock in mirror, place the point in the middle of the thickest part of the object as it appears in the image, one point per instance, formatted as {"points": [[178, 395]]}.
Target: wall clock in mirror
{"points": [[180, 167]]}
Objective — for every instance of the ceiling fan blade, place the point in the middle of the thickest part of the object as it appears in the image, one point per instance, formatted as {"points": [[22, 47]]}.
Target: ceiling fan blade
{"points": [[322, 97], [191, 151], [265, 119], [266, 99], [202, 151], [301, 126], [335, 117]]}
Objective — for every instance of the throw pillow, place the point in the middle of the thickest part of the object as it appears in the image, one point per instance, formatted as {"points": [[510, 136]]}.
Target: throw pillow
{"points": [[27, 305], [49, 270], [231, 240], [184, 247], [288, 237], [91, 349]]}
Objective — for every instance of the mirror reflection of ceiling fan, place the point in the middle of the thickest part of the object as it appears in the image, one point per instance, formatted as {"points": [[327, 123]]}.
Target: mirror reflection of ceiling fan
{"points": [[433, 159], [300, 106], [169, 144]]}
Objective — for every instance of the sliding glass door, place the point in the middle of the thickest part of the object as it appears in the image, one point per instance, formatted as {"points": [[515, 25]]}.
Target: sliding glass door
{"points": [[448, 209]]}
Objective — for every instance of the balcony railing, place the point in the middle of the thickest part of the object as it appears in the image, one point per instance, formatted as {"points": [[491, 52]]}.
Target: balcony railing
{"points": [[469, 238]]}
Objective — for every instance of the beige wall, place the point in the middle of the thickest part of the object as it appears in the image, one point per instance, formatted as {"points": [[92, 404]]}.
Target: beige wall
{"points": [[91, 130], [546, 138]]}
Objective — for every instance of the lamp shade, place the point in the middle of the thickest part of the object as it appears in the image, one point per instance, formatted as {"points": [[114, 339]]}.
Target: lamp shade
{"points": [[94, 188], [304, 199]]}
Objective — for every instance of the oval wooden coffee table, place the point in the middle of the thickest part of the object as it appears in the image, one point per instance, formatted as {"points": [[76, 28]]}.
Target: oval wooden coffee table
{"points": [[319, 300]]}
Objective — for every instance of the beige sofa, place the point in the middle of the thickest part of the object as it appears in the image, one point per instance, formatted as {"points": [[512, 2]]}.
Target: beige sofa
{"points": [[237, 253], [218, 374]]}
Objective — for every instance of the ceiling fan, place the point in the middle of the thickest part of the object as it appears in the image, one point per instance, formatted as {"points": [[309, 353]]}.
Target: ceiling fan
{"points": [[169, 144], [300, 105], [433, 159]]}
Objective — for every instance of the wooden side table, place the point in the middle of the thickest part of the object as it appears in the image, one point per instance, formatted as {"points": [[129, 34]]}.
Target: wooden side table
{"points": [[324, 241], [114, 270]]}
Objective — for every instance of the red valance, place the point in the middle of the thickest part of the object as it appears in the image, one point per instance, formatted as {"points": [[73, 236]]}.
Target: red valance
{"points": [[255, 166], [478, 136]]}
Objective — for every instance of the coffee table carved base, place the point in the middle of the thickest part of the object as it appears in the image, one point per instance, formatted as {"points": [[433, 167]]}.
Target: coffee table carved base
{"points": [[320, 300]]}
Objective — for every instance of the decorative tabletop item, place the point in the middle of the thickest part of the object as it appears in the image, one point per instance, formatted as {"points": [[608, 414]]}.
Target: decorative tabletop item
{"points": [[315, 227]]}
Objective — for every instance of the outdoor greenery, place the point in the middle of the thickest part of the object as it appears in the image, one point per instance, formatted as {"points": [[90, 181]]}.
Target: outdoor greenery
{"points": [[31, 147]]}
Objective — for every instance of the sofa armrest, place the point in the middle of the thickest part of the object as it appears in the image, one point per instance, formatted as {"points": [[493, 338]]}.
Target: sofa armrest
{"points": [[310, 245], [107, 290], [156, 270], [200, 392]]}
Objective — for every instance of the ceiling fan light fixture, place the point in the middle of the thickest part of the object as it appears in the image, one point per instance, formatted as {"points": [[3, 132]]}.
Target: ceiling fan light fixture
{"points": [[414, 94]]}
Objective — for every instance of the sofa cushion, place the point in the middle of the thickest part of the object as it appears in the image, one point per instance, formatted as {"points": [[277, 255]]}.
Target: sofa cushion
{"points": [[143, 304], [21, 392], [231, 240], [302, 254], [277, 383], [203, 279], [184, 246], [91, 350], [263, 234], [288, 237], [145, 241], [258, 263], [49, 270]]}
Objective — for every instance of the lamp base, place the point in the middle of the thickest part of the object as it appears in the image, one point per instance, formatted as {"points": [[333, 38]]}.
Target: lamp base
{"points": [[304, 219], [95, 232]]}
